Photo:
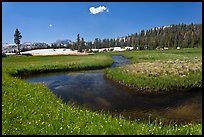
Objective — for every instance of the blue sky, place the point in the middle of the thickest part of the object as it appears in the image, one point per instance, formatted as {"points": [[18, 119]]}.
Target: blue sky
{"points": [[51, 21]]}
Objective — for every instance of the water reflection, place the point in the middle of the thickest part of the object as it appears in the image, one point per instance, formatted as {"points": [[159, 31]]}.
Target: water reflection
{"points": [[92, 90]]}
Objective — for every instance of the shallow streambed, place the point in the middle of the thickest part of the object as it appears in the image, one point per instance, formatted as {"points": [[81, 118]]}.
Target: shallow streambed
{"points": [[93, 90]]}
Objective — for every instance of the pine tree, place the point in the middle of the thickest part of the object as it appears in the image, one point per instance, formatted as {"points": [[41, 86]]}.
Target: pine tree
{"points": [[82, 44], [17, 37], [79, 43]]}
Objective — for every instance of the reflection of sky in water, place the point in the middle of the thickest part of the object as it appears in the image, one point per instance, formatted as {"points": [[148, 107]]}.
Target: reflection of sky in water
{"points": [[88, 88], [119, 61], [91, 89]]}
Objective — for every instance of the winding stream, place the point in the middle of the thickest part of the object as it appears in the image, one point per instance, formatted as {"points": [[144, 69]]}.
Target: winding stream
{"points": [[91, 89]]}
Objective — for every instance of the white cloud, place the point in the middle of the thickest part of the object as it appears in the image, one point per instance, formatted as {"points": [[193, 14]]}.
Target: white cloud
{"points": [[50, 25], [97, 10]]}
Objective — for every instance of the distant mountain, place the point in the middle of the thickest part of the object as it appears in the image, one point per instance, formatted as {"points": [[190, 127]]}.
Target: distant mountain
{"points": [[163, 27], [66, 41], [27, 43], [7, 44]]}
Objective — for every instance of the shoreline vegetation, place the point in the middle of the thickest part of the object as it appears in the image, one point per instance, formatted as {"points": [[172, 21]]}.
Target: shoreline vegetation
{"points": [[156, 72], [33, 109], [28, 65]]}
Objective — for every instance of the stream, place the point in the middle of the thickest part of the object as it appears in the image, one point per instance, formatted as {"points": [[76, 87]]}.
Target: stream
{"points": [[91, 89]]}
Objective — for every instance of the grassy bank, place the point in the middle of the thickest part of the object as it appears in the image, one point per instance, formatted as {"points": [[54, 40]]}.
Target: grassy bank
{"points": [[160, 71], [33, 109], [22, 65]]}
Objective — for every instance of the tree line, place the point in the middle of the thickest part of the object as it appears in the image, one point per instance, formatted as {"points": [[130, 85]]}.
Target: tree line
{"points": [[173, 36]]}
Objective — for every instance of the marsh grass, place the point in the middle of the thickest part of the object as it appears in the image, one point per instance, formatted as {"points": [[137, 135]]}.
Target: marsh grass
{"points": [[158, 71], [32, 109], [171, 67]]}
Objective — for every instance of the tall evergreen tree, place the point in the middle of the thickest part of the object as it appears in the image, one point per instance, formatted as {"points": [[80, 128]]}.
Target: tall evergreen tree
{"points": [[82, 44], [78, 43], [17, 37]]}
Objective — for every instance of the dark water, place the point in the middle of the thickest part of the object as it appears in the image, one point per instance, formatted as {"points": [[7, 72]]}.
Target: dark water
{"points": [[91, 89]]}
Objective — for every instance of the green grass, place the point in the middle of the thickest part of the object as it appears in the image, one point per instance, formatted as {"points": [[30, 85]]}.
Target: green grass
{"points": [[173, 54], [160, 71], [16, 65], [29, 109]]}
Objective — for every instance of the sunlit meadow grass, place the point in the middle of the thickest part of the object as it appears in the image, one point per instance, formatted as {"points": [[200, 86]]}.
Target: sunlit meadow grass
{"points": [[37, 64], [29, 109], [160, 70]]}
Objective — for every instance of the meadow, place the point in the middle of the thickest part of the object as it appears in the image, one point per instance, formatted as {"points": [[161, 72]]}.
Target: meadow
{"points": [[32, 109], [160, 71]]}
